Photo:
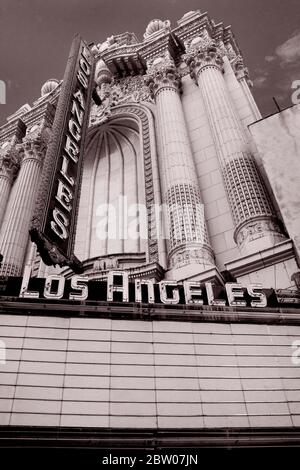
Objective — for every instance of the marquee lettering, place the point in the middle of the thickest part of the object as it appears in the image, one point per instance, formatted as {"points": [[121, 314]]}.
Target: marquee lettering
{"points": [[118, 285], [65, 189]]}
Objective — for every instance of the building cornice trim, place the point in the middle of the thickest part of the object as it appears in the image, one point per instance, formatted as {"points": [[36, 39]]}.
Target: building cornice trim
{"points": [[262, 259]]}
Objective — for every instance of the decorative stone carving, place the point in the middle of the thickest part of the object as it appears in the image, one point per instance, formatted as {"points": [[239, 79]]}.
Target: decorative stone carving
{"points": [[103, 74], [240, 70], [133, 89], [257, 228], [49, 86], [199, 58], [33, 148], [230, 51], [162, 75], [104, 264], [186, 215], [154, 26], [187, 255], [10, 162], [125, 90]]}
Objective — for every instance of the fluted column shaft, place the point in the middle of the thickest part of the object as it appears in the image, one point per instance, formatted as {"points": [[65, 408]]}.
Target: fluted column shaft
{"points": [[8, 168], [187, 234], [242, 76], [5, 186], [15, 227], [251, 207]]}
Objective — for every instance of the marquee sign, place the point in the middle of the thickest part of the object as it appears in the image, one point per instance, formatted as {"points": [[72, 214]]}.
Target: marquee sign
{"points": [[54, 220], [116, 287]]}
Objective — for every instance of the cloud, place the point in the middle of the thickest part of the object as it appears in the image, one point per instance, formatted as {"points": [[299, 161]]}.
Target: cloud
{"points": [[259, 82], [286, 82], [270, 58], [289, 51]]}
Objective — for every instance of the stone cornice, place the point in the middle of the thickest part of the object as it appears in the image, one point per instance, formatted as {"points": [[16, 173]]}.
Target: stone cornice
{"points": [[161, 312], [15, 133], [262, 259], [129, 59], [43, 107]]}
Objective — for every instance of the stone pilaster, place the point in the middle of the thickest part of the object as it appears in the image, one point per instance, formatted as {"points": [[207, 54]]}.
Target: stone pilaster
{"points": [[253, 214], [9, 166], [10, 163], [187, 234], [15, 227], [242, 75]]}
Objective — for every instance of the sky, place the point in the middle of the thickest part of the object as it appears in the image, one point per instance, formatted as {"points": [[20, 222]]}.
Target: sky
{"points": [[35, 38]]}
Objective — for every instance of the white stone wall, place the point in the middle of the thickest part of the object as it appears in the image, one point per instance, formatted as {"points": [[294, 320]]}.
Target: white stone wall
{"points": [[101, 372], [278, 140], [277, 276]]}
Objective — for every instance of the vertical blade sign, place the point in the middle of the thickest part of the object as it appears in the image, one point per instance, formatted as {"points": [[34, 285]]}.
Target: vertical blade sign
{"points": [[54, 220]]}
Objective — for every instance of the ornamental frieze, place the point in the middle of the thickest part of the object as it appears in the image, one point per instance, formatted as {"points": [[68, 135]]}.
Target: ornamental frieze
{"points": [[125, 90]]}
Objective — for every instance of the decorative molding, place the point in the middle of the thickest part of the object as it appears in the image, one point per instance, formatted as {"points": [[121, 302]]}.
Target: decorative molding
{"points": [[34, 147], [256, 228], [240, 70], [190, 313], [188, 253], [186, 216], [138, 112], [142, 271], [124, 90], [262, 259], [10, 162]]}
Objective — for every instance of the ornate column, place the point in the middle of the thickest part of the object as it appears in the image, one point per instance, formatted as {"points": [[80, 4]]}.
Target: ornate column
{"points": [[9, 165], [254, 216], [187, 234], [14, 230]]}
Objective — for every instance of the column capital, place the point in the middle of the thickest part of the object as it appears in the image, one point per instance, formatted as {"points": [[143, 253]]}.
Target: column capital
{"points": [[162, 75], [199, 58], [10, 162], [34, 146], [241, 71]]}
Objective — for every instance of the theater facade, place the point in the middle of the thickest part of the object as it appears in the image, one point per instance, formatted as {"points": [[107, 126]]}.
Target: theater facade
{"points": [[149, 289]]}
